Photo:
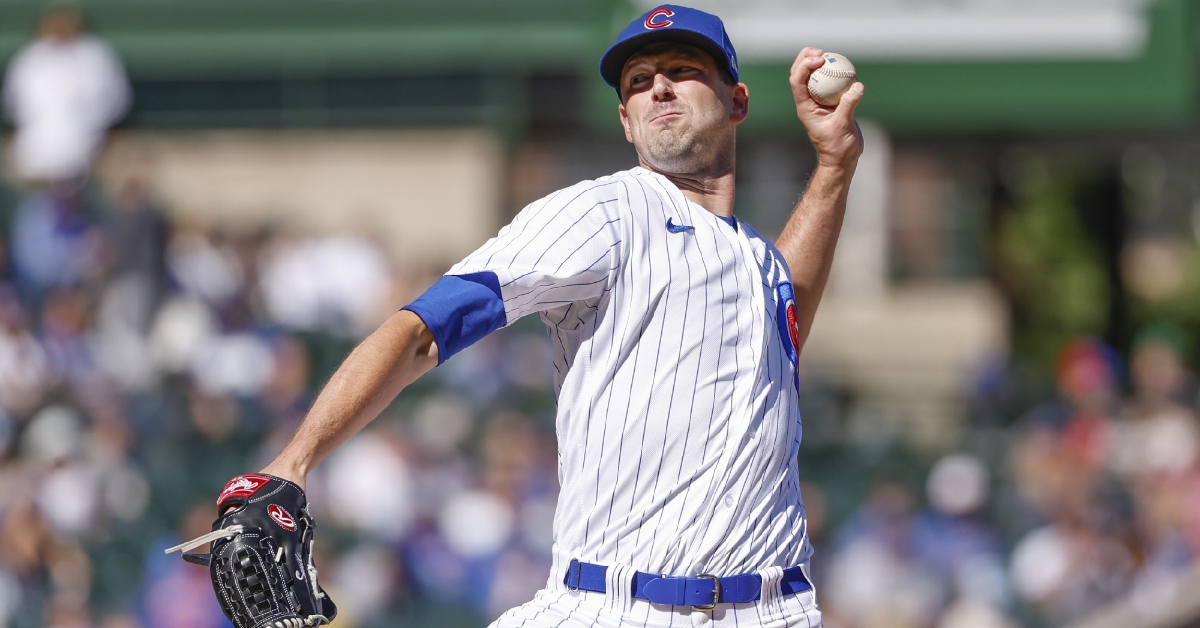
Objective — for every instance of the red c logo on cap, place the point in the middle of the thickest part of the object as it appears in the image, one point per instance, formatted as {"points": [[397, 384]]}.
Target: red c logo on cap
{"points": [[655, 14]]}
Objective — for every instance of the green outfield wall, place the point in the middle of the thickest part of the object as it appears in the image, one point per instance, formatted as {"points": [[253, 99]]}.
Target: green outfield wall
{"points": [[313, 63]]}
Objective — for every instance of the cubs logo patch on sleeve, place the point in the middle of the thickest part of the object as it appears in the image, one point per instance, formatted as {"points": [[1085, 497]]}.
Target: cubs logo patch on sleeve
{"points": [[243, 486], [789, 331]]}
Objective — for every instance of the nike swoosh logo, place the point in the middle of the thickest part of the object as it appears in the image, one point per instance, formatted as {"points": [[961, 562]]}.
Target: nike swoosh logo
{"points": [[674, 228]]}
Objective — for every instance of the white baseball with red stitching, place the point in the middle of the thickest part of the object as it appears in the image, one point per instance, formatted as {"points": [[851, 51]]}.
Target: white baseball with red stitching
{"points": [[827, 83]]}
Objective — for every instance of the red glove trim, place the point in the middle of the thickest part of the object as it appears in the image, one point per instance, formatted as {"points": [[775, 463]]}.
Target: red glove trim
{"points": [[243, 486]]}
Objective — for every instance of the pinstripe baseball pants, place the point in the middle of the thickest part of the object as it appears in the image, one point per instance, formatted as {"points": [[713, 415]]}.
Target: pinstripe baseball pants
{"points": [[563, 608]]}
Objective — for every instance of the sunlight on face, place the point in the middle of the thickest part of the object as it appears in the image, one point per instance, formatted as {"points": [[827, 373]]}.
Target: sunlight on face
{"points": [[678, 111]]}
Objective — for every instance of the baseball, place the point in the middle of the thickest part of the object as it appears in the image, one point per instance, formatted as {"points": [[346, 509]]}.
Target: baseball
{"points": [[827, 83]]}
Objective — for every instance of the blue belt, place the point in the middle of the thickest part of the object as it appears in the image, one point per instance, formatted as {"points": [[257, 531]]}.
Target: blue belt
{"points": [[703, 592]]}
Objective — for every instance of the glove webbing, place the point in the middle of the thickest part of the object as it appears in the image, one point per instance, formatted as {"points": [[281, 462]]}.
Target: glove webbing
{"points": [[206, 559]]}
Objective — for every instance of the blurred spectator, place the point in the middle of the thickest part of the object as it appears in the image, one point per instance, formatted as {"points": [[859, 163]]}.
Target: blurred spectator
{"points": [[477, 373], [897, 567], [1063, 445], [123, 348], [1157, 446], [62, 91], [957, 543], [1070, 568], [5, 267], [440, 426], [54, 242], [510, 461], [214, 416], [1096, 535], [24, 372], [65, 335], [874, 580], [363, 581], [179, 594], [1157, 433], [137, 233], [239, 364], [1088, 379], [287, 395], [203, 267], [530, 362], [337, 283], [953, 541], [181, 327], [354, 475], [135, 239]]}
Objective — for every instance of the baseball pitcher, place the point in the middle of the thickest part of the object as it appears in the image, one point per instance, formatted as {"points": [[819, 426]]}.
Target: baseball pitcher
{"points": [[676, 331]]}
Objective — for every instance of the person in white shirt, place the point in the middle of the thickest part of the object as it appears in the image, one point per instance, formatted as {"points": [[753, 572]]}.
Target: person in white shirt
{"points": [[62, 92]]}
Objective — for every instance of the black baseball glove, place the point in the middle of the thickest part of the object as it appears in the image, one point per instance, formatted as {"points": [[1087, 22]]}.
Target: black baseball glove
{"points": [[261, 562]]}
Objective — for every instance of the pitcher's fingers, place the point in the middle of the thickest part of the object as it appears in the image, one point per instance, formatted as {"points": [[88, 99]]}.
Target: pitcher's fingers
{"points": [[807, 53], [803, 68], [849, 102]]}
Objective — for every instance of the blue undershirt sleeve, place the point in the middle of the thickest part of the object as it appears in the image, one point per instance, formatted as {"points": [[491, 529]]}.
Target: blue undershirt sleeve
{"points": [[460, 309]]}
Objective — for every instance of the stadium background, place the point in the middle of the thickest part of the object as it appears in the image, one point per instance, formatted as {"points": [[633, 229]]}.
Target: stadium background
{"points": [[999, 398]]}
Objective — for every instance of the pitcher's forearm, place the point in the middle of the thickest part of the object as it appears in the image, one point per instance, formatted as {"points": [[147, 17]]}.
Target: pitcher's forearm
{"points": [[392, 357], [810, 236], [808, 239]]}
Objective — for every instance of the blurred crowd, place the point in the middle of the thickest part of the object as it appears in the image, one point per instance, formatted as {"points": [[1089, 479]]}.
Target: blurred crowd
{"points": [[143, 363], [1047, 514], [145, 360]]}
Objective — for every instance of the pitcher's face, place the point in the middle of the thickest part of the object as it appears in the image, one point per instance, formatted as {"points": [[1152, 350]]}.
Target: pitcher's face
{"points": [[678, 110]]}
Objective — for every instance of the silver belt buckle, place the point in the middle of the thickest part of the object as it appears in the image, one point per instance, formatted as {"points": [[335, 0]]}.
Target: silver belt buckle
{"points": [[716, 593]]}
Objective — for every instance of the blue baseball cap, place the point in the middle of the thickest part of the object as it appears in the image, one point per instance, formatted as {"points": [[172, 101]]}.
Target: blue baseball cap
{"points": [[669, 22]]}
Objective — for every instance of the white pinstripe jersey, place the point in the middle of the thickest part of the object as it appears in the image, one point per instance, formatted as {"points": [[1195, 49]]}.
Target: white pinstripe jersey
{"points": [[678, 425]]}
